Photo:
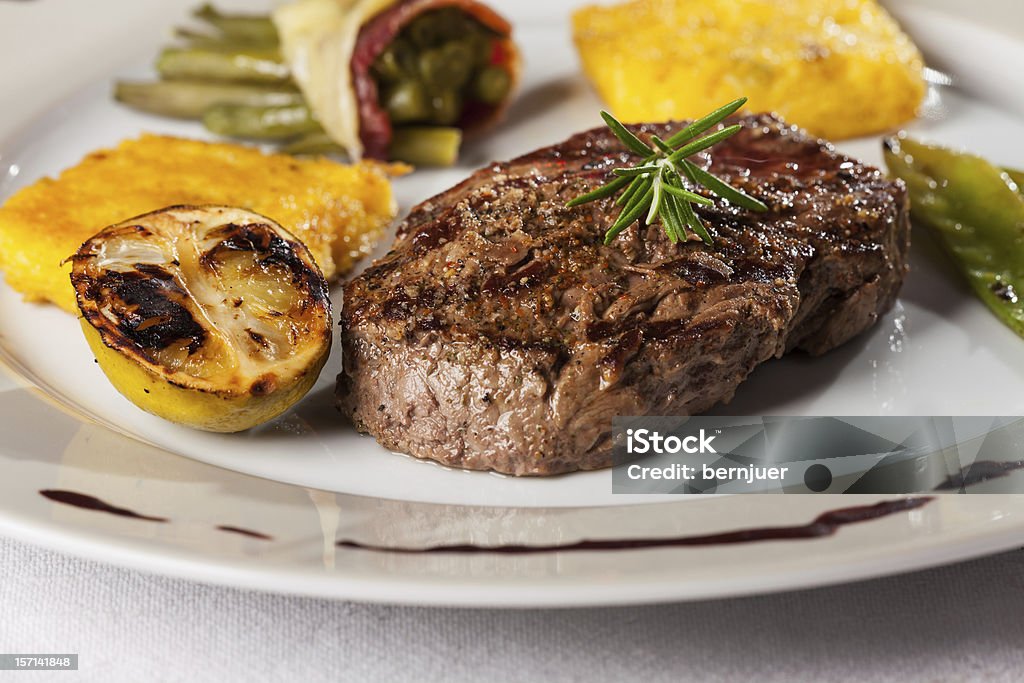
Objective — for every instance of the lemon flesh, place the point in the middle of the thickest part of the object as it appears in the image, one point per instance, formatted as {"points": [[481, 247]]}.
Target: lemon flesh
{"points": [[213, 317]]}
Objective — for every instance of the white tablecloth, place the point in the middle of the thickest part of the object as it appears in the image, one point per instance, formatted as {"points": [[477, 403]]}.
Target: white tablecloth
{"points": [[959, 623]]}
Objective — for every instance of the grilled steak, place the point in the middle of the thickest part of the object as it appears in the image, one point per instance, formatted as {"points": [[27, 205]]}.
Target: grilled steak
{"points": [[500, 333]]}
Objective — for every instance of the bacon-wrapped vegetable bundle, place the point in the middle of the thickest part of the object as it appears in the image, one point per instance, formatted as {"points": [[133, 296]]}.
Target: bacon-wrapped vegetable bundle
{"points": [[383, 79], [368, 67]]}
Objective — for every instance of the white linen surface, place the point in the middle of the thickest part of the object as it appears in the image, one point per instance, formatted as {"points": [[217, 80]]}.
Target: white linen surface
{"points": [[959, 623]]}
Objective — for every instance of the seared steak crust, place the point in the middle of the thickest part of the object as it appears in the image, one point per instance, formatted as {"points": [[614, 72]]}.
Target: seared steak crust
{"points": [[500, 333]]}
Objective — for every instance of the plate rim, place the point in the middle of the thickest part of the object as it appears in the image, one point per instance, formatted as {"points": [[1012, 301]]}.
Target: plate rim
{"points": [[126, 552], [472, 592]]}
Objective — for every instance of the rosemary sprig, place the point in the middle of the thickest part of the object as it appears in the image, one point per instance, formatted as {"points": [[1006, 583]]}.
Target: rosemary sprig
{"points": [[655, 190]]}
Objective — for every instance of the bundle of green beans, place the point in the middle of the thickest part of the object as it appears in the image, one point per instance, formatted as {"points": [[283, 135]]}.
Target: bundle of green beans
{"points": [[231, 76]]}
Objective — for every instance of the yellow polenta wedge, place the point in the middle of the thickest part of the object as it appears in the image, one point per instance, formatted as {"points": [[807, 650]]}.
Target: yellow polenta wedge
{"points": [[839, 68], [338, 211]]}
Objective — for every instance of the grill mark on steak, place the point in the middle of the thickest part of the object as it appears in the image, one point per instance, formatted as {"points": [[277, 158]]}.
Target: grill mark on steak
{"points": [[494, 288]]}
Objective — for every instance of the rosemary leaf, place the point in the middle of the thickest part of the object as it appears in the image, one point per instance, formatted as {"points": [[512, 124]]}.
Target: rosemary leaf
{"points": [[600, 193], [723, 189], [627, 217], [705, 122], [704, 142], [661, 144], [672, 218], [688, 170], [638, 197], [630, 191], [694, 222], [674, 208], [656, 186], [626, 136], [689, 196], [636, 170]]}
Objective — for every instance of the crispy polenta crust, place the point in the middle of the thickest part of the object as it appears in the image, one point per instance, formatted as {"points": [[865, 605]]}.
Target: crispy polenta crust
{"points": [[839, 68], [337, 210]]}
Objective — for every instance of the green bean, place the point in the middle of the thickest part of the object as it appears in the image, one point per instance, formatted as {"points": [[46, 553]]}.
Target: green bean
{"points": [[453, 23], [317, 142], [210, 41], [198, 38], [446, 107], [437, 27], [260, 123], [426, 30], [398, 62], [482, 44], [190, 99], [448, 66], [246, 66], [975, 214], [252, 29], [426, 146], [407, 101], [432, 68], [492, 85]]}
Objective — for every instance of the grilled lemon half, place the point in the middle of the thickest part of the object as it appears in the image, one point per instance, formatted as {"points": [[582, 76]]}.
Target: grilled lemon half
{"points": [[210, 316]]}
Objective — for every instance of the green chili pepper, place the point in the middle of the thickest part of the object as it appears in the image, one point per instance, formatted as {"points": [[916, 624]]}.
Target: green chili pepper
{"points": [[976, 213]]}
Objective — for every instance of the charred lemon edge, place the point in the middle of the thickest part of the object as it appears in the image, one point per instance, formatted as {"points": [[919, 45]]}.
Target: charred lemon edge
{"points": [[189, 400], [214, 411]]}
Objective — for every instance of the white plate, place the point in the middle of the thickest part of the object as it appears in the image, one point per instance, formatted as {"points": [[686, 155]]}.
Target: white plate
{"points": [[939, 352]]}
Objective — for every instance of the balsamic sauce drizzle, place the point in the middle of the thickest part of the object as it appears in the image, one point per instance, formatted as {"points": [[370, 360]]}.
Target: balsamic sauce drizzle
{"points": [[86, 502], [243, 532], [825, 524], [81, 500], [978, 472]]}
